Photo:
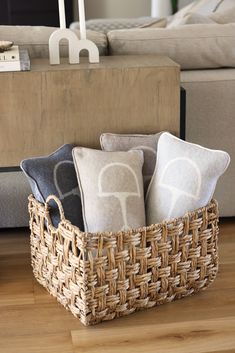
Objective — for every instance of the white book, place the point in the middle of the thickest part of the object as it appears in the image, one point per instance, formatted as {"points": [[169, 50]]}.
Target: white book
{"points": [[10, 66], [11, 54], [20, 65]]}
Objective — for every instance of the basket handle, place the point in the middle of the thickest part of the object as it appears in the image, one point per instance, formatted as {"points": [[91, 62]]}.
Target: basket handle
{"points": [[59, 205]]}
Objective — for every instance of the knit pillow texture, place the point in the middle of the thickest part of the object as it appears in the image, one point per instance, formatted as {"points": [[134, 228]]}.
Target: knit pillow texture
{"points": [[204, 8], [184, 179], [111, 186], [126, 142], [55, 175]]}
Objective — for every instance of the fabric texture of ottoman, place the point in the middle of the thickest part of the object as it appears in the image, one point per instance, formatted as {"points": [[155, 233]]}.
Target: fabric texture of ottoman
{"points": [[14, 191]]}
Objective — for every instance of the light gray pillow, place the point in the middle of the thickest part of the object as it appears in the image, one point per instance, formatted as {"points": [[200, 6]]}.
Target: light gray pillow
{"points": [[184, 179], [55, 175], [200, 7], [219, 17], [195, 18], [155, 23], [124, 142], [225, 16], [111, 186]]}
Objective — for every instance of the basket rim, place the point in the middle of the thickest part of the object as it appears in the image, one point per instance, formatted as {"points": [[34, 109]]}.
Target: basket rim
{"points": [[153, 227]]}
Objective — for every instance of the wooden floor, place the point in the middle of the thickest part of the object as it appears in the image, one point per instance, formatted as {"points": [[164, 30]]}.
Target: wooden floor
{"points": [[33, 322]]}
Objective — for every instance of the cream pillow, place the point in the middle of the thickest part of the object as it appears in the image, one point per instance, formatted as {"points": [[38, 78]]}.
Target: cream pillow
{"points": [[159, 23], [225, 16], [201, 7], [124, 142], [111, 186], [195, 18], [184, 179], [220, 17]]}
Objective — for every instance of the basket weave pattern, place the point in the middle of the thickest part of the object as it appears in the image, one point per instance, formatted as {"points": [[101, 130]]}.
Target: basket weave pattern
{"points": [[106, 275]]}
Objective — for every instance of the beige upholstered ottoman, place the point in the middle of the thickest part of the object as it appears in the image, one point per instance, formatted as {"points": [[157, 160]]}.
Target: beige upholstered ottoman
{"points": [[14, 191]]}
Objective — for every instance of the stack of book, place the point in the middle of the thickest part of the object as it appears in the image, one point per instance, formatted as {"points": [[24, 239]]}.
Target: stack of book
{"points": [[14, 59]]}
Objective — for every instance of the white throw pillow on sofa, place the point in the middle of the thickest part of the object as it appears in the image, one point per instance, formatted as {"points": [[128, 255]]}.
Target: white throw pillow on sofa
{"points": [[219, 17], [195, 18], [224, 16], [201, 7], [184, 179]]}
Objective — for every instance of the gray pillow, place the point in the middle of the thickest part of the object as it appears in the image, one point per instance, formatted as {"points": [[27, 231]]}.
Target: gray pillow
{"points": [[111, 185], [124, 142], [55, 175], [184, 179]]}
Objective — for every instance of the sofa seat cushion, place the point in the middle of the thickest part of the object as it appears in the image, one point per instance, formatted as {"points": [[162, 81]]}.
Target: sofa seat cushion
{"points": [[210, 116], [35, 39], [193, 46]]}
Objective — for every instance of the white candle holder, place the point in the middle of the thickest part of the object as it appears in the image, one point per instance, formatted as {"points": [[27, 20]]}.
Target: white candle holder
{"points": [[75, 44], [161, 8]]}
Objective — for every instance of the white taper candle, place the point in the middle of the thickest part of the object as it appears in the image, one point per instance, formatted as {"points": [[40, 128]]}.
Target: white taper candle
{"points": [[161, 8], [82, 20], [62, 14]]}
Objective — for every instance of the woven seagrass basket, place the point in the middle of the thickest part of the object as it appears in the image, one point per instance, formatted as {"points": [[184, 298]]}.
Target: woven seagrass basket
{"points": [[106, 275]]}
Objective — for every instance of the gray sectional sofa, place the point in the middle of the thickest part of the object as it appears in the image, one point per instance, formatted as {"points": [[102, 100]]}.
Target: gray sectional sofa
{"points": [[206, 55], [207, 58]]}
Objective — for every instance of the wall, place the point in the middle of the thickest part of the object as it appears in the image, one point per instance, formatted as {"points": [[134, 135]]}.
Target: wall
{"points": [[115, 8], [118, 8]]}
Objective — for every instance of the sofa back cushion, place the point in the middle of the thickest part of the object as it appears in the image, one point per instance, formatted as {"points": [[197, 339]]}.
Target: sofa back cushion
{"points": [[193, 46], [35, 39]]}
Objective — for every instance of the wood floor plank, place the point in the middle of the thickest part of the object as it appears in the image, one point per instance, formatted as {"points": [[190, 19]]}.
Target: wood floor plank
{"points": [[194, 337], [47, 343], [41, 295], [16, 280], [226, 252], [15, 267], [38, 319], [225, 278], [12, 293], [224, 351], [14, 241]]}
